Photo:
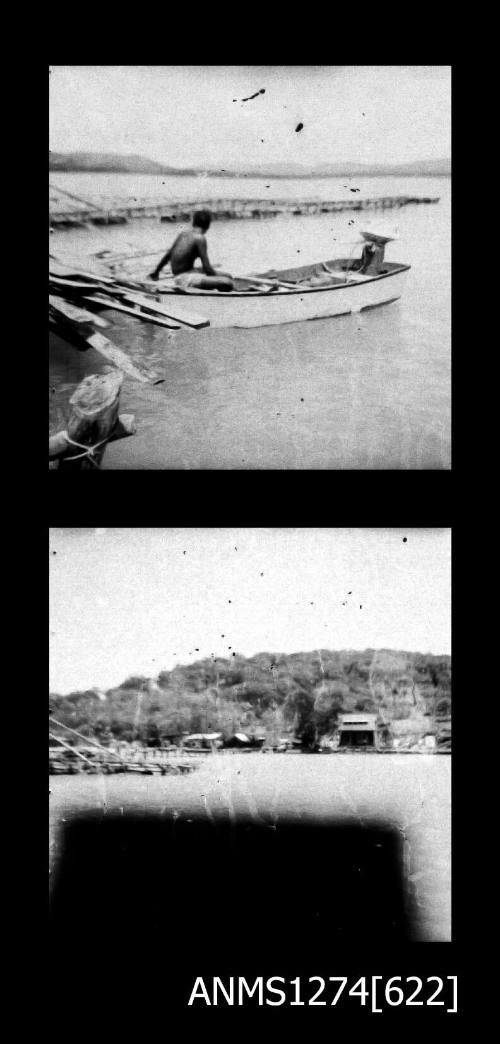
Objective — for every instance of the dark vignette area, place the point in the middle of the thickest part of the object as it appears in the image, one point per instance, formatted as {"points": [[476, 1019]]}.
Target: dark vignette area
{"points": [[165, 901]]}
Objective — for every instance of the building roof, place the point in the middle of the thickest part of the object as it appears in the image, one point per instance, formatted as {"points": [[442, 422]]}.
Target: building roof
{"points": [[358, 722], [203, 736]]}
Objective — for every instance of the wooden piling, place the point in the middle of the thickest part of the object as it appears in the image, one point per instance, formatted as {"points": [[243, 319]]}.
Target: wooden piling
{"points": [[94, 421]]}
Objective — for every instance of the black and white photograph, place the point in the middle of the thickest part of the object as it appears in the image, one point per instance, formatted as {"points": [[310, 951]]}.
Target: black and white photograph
{"points": [[250, 267], [249, 750]]}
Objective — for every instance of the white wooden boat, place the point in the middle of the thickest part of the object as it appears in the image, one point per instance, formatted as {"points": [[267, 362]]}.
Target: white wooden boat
{"points": [[347, 291]]}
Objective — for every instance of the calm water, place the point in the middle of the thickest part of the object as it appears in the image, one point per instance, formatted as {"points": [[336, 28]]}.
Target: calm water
{"points": [[376, 387], [411, 793], [105, 189]]}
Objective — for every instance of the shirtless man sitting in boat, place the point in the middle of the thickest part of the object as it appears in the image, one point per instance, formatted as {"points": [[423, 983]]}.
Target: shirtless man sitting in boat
{"points": [[183, 253]]}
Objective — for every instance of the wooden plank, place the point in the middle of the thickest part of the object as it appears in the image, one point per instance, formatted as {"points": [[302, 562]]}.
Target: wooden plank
{"points": [[120, 360], [173, 312], [73, 284], [269, 282], [166, 309], [80, 315], [83, 333], [59, 270], [115, 306], [74, 277], [69, 327]]}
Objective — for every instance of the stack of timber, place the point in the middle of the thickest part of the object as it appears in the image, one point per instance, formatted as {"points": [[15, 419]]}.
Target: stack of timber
{"points": [[76, 298]]}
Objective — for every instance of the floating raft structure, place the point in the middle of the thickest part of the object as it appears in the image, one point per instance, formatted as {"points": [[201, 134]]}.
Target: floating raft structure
{"points": [[64, 214]]}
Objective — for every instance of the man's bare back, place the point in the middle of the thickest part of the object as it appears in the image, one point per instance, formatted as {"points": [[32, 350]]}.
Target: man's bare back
{"points": [[185, 250]]}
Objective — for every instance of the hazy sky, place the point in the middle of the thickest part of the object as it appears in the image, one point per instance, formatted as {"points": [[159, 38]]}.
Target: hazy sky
{"points": [[187, 116], [136, 601]]}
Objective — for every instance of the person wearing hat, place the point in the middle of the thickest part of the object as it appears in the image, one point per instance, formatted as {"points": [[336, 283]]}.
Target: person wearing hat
{"points": [[186, 249]]}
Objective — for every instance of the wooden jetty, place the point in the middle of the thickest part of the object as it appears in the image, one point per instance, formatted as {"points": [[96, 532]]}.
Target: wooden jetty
{"points": [[62, 763], [65, 215], [94, 757]]}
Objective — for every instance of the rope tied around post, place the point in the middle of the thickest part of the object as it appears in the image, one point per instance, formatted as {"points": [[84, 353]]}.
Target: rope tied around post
{"points": [[93, 423], [89, 451]]}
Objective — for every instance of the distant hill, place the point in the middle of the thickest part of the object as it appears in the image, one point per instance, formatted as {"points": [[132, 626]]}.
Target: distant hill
{"points": [[116, 164], [420, 168], [299, 694], [108, 162]]}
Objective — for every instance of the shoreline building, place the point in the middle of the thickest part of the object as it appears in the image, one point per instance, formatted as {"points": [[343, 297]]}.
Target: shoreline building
{"points": [[358, 730]]}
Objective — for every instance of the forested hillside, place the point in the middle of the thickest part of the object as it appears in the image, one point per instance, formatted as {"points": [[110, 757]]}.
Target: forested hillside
{"points": [[299, 694]]}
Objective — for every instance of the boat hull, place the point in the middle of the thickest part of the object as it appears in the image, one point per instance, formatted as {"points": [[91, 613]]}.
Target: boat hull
{"points": [[294, 306]]}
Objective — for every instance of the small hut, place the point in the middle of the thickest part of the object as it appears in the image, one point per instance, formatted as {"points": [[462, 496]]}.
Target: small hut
{"points": [[203, 741]]}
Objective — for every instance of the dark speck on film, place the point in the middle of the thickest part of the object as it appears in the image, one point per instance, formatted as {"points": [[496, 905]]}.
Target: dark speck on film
{"points": [[250, 96]]}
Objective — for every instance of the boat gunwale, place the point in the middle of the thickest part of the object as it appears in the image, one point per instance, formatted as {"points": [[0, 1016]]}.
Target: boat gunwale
{"points": [[283, 292]]}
